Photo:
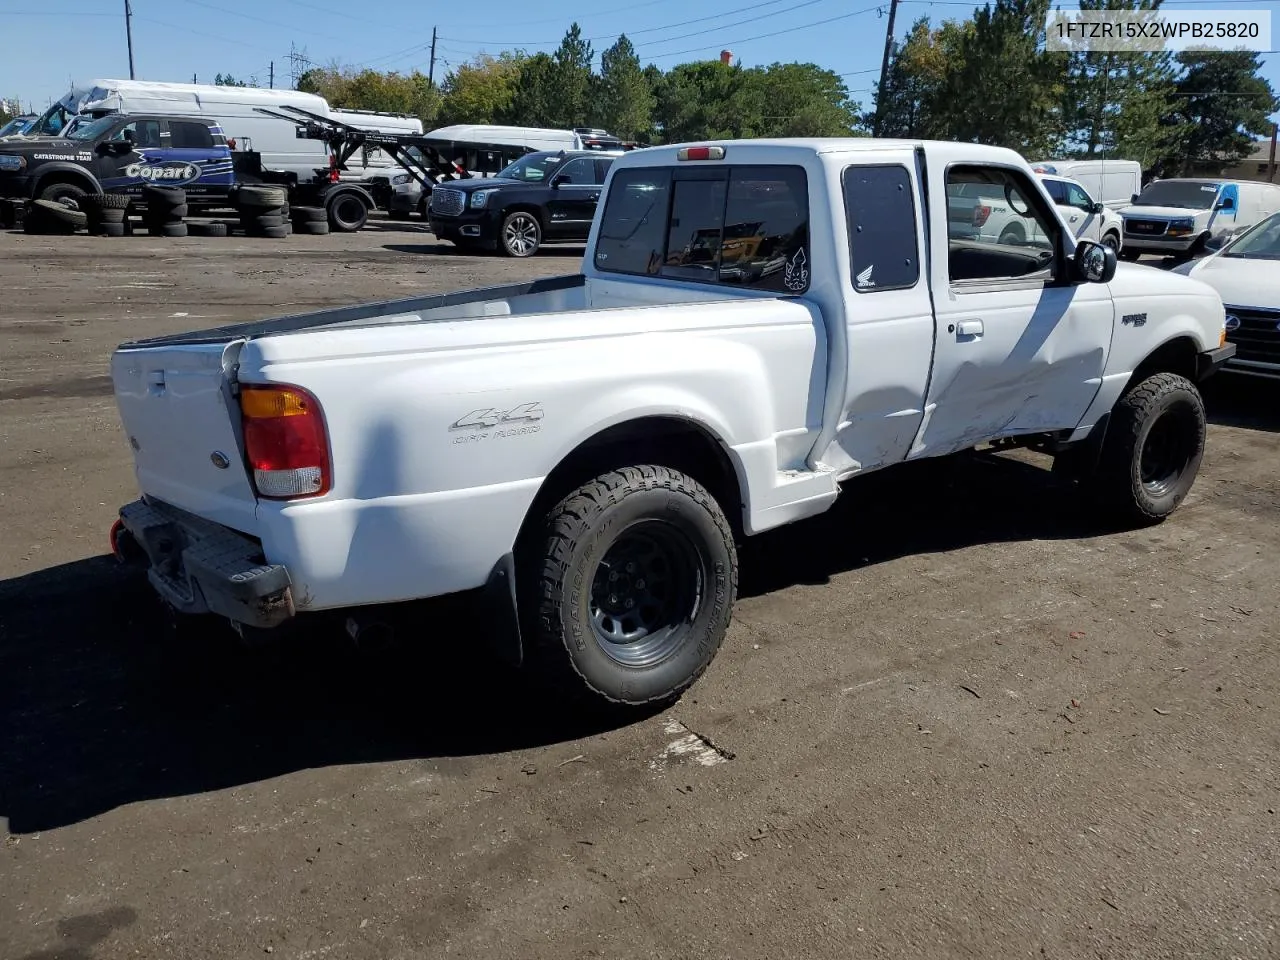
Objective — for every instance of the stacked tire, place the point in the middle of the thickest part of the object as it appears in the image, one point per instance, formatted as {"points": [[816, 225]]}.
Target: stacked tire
{"points": [[312, 221], [52, 217], [264, 211], [106, 214], [166, 208]]}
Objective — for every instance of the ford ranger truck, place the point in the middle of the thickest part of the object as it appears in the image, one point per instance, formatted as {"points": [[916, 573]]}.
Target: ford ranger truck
{"points": [[753, 323]]}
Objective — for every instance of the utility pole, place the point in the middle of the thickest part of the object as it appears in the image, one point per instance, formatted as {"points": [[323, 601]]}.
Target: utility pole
{"points": [[128, 32], [272, 75], [431, 70], [884, 67], [1271, 163]]}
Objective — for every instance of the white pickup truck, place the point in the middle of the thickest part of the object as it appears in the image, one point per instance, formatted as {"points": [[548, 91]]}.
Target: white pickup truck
{"points": [[754, 322]]}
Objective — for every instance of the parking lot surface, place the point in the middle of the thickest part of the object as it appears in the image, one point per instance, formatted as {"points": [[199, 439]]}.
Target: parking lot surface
{"points": [[954, 717]]}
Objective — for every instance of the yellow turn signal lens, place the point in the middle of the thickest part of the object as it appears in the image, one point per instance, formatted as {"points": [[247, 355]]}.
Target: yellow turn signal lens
{"points": [[257, 402]]}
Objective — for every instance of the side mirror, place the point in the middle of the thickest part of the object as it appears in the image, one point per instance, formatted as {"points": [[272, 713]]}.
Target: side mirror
{"points": [[116, 148], [1133, 198], [1094, 262], [558, 180], [1096, 207], [1227, 204]]}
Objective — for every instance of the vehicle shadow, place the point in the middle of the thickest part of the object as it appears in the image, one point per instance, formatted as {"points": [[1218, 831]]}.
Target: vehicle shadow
{"points": [[444, 248], [1240, 401], [923, 507], [104, 706]]}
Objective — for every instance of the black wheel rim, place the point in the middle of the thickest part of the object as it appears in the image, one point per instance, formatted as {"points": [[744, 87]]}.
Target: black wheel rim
{"points": [[1168, 450], [645, 590]]}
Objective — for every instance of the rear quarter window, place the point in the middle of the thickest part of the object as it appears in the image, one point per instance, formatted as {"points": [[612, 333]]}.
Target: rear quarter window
{"points": [[883, 242], [741, 226]]}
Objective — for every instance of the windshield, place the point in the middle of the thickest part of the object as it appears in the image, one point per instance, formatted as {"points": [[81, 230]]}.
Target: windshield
{"points": [[1260, 243], [92, 130], [51, 122], [532, 168], [14, 126], [1188, 194]]}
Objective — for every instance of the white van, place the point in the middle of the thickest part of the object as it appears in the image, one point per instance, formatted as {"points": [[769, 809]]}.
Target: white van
{"points": [[1186, 217], [534, 138], [233, 108], [1111, 182]]}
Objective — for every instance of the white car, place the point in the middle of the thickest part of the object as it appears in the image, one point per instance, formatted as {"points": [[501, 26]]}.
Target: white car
{"points": [[587, 450], [1246, 274], [996, 220]]}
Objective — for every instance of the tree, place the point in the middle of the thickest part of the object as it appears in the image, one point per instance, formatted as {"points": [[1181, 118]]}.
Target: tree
{"points": [[1220, 107], [625, 101], [480, 91], [1006, 90], [916, 79], [1110, 97], [372, 90], [705, 100], [801, 100], [572, 79], [535, 101], [227, 80]]}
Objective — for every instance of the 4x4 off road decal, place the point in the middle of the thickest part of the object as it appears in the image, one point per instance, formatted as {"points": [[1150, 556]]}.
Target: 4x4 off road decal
{"points": [[172, 172]]}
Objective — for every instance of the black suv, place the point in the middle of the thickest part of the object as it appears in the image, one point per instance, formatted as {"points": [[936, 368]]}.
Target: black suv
{"points": [[541, 198]]}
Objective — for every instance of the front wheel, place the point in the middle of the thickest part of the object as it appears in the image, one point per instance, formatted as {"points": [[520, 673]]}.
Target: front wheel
{"points": [[1111, 240], [634, 580], [521, 234], [67, 194], [1153, 449], [347, 213], [1130, 256]]}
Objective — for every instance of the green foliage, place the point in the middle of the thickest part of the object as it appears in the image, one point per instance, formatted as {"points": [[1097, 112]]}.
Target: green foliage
{"points": [[480, 91], [349, 89], [1220, 107], [227, 80], [624, 100]]}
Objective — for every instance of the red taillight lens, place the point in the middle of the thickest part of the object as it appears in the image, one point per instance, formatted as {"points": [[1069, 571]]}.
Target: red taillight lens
{"points": [[980, 214], [285, 442]]}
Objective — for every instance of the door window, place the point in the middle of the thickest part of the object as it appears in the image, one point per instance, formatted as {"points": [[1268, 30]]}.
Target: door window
{"points": [[185, 135], [579, 171], [1057, 191], [1026, 240], [602, 168], [142, 133], [1076, 197]]}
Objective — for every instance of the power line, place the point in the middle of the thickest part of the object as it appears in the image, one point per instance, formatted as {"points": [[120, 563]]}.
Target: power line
{"points": [[271, 23], [765, 36], [669, 26]]}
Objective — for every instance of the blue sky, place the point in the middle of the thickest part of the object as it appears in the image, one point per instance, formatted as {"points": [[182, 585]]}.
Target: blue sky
{"points": [[176, 39]]}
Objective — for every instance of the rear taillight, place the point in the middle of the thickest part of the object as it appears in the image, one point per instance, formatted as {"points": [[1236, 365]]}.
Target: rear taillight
{"points": [[980, 214], [285, 442]]}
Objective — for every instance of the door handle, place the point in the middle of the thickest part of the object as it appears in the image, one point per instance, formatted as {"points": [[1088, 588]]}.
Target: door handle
{"points": [[1074, 219], [969, 328], [594, 196]]}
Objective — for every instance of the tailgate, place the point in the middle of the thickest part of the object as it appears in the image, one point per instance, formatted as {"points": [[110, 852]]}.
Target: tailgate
{"points": [[183, 427]]}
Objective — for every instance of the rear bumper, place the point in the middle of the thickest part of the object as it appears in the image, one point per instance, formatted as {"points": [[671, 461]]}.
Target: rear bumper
{"points": [[202, 567]]}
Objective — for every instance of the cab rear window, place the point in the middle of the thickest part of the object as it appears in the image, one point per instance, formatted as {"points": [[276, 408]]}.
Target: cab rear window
{"points": [[739, 225]]}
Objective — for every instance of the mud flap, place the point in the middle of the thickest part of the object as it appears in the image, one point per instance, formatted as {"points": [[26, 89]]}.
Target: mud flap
{"points": [[500, 612]]}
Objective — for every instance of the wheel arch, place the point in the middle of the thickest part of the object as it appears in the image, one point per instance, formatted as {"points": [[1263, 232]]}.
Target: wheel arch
{"points": [[1175, 355], [65, 173]]}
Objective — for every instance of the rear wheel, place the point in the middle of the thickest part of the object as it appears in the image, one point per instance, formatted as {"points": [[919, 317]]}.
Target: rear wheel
{"points": [[1013, 236], [347, 213], [634, 579], [1153, 449]]}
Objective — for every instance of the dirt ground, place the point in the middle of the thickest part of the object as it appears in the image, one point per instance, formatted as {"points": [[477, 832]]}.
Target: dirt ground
{"points": [[954, 717]]}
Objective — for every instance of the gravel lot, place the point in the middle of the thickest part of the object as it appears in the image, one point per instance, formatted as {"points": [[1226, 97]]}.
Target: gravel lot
{"points": [[953, 718]]}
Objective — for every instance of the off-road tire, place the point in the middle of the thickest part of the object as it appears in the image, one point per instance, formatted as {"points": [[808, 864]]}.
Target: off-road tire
{"points": [[65, 191], [111, 214], [310, 215], [314, 229], [268, 220], [274, 233], [568, 589], [1143, 474], [173, 230], [51, 210], [257, 197], [198, 229], [113, 201]]}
